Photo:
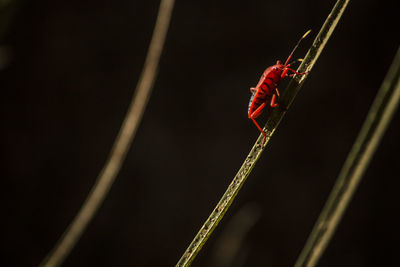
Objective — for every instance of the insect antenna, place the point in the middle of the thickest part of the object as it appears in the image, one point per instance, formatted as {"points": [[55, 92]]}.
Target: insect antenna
{"points": [[294, 61], [298, 42]]}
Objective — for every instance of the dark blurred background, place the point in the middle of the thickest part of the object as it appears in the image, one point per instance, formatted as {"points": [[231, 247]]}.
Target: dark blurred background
{"points": [[68, 72]]}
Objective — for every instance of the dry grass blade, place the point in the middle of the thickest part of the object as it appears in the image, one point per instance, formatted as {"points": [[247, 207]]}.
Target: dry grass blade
{"points": [[121, 145], [377, 120], [272, 123]]}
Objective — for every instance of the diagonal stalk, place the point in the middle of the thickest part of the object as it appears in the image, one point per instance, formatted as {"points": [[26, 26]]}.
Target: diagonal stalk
{"points": [[121, 144], [270, 127], [357, 161]]}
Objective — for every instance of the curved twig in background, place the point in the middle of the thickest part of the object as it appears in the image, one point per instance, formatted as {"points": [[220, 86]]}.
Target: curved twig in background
{"points": [[122, 142], [270, 127], [378, 118]]}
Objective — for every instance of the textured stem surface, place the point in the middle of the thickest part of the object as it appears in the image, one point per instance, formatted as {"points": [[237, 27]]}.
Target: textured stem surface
{"points": [[270, 127]]}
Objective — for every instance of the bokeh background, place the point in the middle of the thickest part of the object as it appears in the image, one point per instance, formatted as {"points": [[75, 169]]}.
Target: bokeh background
{"points": [[68, 72]]}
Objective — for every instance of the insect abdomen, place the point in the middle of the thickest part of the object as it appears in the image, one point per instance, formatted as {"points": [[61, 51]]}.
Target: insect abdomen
{"points": [[251, 100], [271, 81]]}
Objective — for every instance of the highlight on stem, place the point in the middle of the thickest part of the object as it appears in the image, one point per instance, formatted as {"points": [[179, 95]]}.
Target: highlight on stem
{"points": [[273, 121]]}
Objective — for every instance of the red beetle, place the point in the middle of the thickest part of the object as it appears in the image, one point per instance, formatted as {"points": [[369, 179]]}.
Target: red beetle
{"points": [[266, 90]]}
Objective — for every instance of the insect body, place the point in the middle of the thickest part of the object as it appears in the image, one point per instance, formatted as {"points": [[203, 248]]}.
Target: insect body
{"points": [[266, 92]]}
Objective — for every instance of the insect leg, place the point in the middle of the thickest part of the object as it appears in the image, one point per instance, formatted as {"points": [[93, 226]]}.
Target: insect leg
{"points": [[263, 133], [254, 115], [257, 112], [284, 73], [277, 92], [273, 101], [297, 73], [252, 89]]}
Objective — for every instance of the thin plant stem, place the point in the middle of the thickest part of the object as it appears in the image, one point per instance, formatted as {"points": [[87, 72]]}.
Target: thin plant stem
{"points": [[121, 144], [375, 125], [270, 127]]}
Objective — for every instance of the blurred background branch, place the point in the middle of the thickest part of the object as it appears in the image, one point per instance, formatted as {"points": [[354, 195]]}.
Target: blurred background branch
{"points": [[122, 142], [375, 125], [66, 86]]}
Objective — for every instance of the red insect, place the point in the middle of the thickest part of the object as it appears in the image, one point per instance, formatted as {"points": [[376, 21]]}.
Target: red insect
{"points": [[266, 90]]}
